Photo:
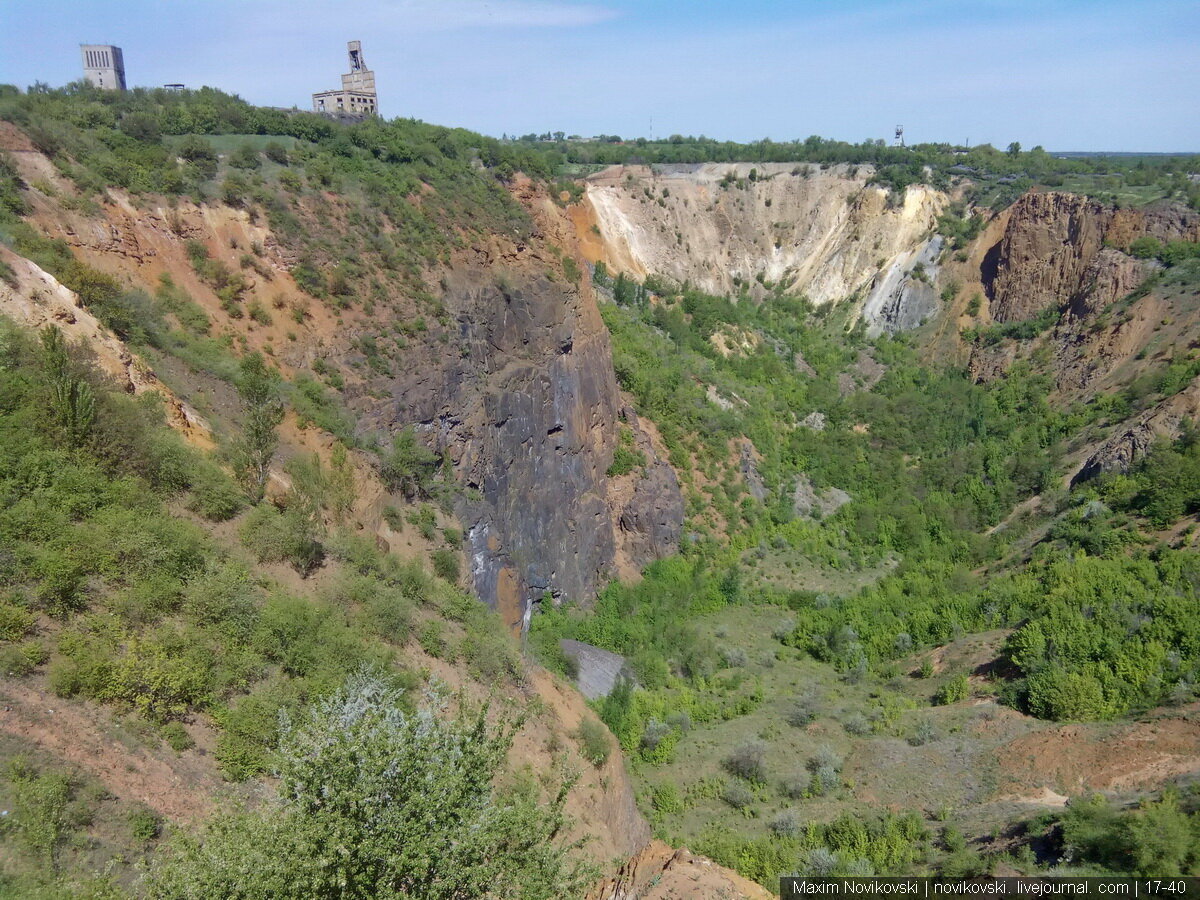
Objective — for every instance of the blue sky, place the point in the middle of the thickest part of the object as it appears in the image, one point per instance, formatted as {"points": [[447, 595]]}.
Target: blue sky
{"points": [[1066, 74]]}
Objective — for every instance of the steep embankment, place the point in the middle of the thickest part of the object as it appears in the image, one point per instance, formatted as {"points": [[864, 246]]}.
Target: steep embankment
{"points": [[1062, 249], [513, 382], [525, 403], [1116, 318], [824, 233], [140, 242]]}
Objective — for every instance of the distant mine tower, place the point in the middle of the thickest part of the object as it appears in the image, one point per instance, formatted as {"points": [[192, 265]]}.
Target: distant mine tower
{"points": [[357, 96], [103, 66], [899, 135]]}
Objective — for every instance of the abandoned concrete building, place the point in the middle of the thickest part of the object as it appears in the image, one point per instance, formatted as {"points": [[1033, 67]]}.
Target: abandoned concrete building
{"points": [[357, 96], [103, 66]]}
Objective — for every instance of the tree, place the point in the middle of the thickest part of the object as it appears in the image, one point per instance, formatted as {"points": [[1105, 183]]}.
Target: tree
{"points": [[258, 387], [1014, 149], [71, 399], [409, 466], [1161, 837], [377, 801]]}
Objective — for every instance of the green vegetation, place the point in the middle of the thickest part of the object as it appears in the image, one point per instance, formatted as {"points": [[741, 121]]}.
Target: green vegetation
{"points": [[352, 823], [262, 413], [1097, 624], [122, 602], [775, 645], [1025, 330], [626, 457], [1000, 175], [594, 742], [207, 144], [1159, 836]]}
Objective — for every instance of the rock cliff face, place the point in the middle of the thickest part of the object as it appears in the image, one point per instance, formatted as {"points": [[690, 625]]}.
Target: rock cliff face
{"points": [[1060, 251], [524, 401], [903, 295], [1053, 253], [822, 232], [516, 385], [1134, 439]]}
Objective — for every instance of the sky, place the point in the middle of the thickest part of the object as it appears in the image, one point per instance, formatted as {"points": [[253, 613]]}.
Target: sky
{"points": [[1063, 74]]}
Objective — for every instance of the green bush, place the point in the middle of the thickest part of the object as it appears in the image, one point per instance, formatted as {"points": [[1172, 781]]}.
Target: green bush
{"points": [[594, 742], [748, 761], [42, 809], [21, 659], [432, 638], [737, 795], [375, 799], [145, 826], [625, 460], [408, 466], [666, 799], [177, 737], [289, 536], [15, 621], [215, 496], [425, 519], [446, 565], [390, 614], [954, 690]]}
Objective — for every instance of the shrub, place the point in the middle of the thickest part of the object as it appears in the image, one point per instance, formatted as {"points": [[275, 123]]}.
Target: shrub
{"points": [[594, 742], [41, 815], [680, 720], [379, 800], [796, 787], [223, 596], [245, 157], [17, 660], [274, 536], [446, 565], [825, 757], [394, 518], [821, 862], [734, 657], [786, 824], [15, 622], [625, 460], [390, 615], [957, 688], [923, 733], [824, 779], [426, 521], [276, 153], [408, 466], [665, 799], [737, 795], [654, 733], [144, 825], [487, 650], [748, 761], [177, 737], [215, 496], [856, 724], [800, 713], [432, 638]]}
